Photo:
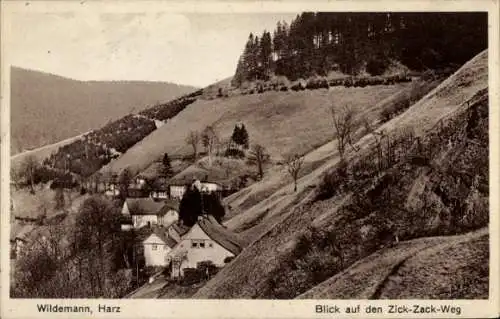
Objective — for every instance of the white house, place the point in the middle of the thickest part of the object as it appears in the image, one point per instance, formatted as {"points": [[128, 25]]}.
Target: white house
{"points": [[143, 211], [176, 191], [169, 214], [210, 187], [157, 246], [207, 240]]}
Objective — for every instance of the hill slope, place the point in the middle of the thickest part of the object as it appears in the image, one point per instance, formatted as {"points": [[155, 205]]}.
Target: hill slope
{"points": [[283, 122], [390, 273], [47, 108], [336, 232]]}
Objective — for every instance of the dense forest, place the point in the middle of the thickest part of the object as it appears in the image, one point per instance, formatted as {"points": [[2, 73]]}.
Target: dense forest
{"points": [[87, 155], [317, 43]]}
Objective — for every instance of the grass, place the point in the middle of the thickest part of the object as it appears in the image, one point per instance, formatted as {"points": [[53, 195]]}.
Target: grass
{"points": [[416, 275], [289, 122], [457, 271], [249, 274]]}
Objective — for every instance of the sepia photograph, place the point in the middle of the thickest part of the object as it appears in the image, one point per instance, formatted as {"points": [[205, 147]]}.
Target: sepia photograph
{"points": [[270, 155]]}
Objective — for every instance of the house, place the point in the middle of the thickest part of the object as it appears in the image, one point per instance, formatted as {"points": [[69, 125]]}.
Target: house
{"points": [[157, 246], [169, 213], [159, 190], [126, 222], [210, 187], [207, 240], [176, 191], [146, 211]]}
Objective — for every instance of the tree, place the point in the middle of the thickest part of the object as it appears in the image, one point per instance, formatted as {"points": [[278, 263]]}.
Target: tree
{"points": [[195, 203], [124, 181], [167, 166], [59, 198], [240, 136], [344, 125], [294, 165], [209, 140], [28, 169], [193, 140], [97, 233], [259, 157], [244, 136]]}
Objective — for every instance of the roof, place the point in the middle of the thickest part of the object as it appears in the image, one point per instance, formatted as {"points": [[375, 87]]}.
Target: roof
{"points": [[147, 206], [220, 234], [180, 229], [169, 205], [161, 232]]}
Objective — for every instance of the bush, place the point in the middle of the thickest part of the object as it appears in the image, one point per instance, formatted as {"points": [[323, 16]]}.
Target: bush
{"points": [[376, 66], [333, 182]]}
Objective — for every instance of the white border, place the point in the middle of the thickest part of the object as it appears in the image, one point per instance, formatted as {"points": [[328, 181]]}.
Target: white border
{"points": [[23, 308]]}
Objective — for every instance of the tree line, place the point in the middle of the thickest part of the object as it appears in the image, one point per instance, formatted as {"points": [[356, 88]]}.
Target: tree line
{"points": [[349, 42]]}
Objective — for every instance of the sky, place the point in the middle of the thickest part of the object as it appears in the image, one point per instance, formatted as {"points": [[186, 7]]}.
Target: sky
{"points": [[194, 48]]}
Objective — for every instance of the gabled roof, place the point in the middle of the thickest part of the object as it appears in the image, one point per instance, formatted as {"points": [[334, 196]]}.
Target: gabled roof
{"points": [[161, 232], [169, 205], [180, 229], [147, 206], [220, 234]]}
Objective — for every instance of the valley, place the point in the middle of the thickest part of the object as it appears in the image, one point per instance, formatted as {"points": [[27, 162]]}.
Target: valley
{"points": [[334, 183]]}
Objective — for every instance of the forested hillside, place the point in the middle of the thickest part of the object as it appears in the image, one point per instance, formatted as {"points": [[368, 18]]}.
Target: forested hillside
{"points": [[360, 43], [41, 101]]}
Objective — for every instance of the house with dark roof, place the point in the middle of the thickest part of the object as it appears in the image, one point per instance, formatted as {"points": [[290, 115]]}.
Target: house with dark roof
{"points": [[207, 240], [157, 246], [146, 211]]}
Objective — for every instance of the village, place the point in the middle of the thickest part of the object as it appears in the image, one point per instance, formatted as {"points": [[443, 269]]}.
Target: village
{"points": [[166, 245]]}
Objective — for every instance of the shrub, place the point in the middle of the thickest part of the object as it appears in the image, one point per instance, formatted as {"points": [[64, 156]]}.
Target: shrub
{"points": [[333, 182], [376, 66]]}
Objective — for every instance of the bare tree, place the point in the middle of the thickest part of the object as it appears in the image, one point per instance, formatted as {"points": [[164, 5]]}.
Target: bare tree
{"points": [[294, 165], [344, 125], [209, 139], [193, 139], [28, 170], [258, 156]]}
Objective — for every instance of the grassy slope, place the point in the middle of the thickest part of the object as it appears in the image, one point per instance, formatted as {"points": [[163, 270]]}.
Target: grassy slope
{"points": [[40, 101], [246, 276], [282, 122], [42, 152], [419, 268], [274, 193]]}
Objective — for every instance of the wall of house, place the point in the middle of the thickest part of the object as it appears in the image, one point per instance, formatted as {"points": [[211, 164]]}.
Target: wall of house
{"points": [[177, 191], [125, 210], [209, 187], [155, 251], [142, 220], [159, 194], [211, 251], [170, 217]]}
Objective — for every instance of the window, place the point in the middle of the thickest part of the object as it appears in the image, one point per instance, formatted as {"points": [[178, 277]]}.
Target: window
{"points": [[202, 244], [154, 247], [210, 245], [194, 244]]}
